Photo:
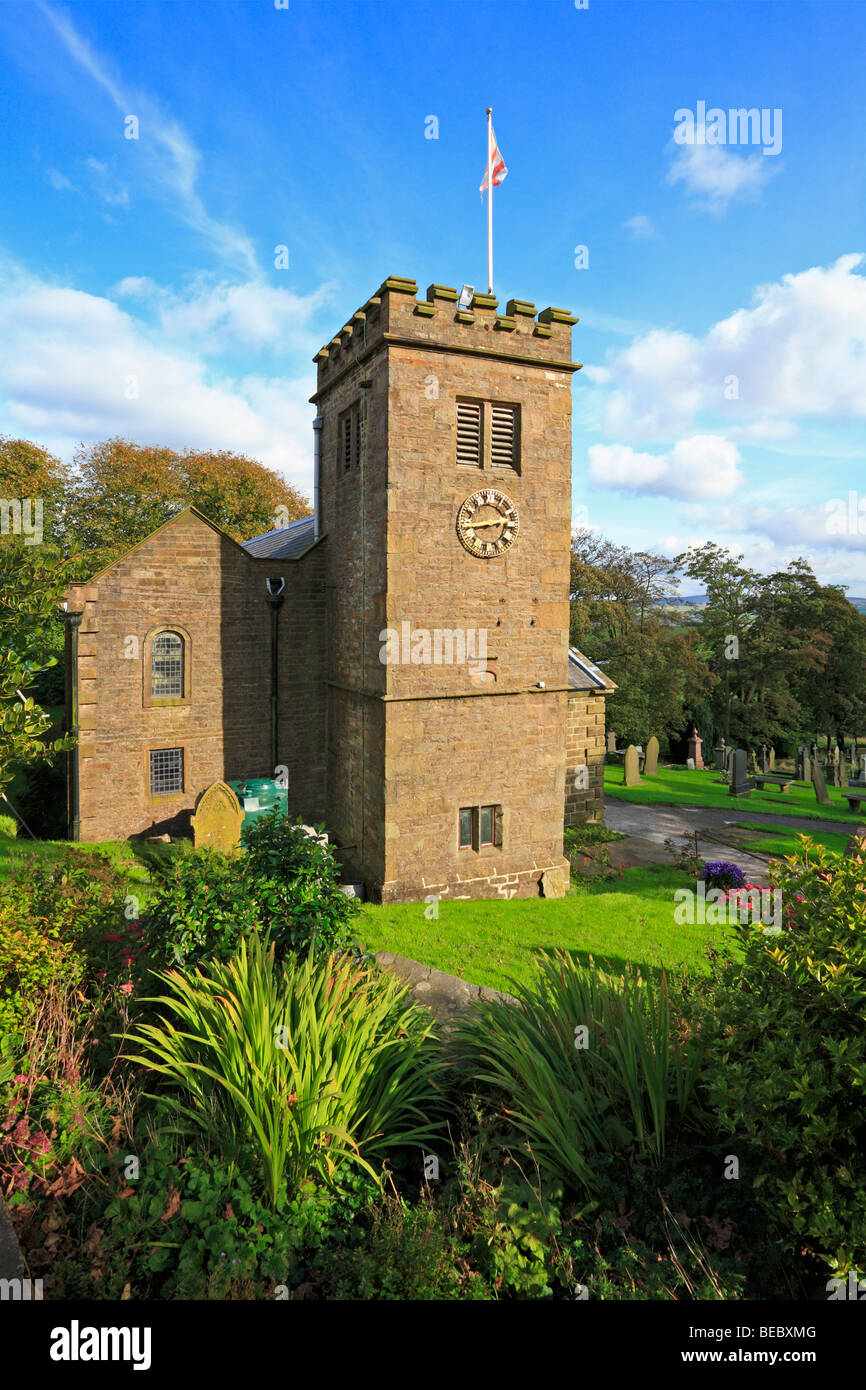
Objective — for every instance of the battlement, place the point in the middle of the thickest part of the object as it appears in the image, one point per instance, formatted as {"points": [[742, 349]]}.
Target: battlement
{"points": [[395, 315]]}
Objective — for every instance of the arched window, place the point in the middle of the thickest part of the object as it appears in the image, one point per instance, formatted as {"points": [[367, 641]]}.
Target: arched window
{"points": [[166, 665]]}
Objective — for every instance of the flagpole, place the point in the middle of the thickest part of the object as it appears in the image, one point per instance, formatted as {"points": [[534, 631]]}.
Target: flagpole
{"points": [[489, 201]]}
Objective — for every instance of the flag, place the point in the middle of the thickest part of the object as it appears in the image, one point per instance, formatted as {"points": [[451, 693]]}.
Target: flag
{"points": [[497, 163]]}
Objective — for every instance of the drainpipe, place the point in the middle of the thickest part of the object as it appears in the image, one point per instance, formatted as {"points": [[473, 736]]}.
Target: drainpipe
{"points": [[275, 601], [72, 622], [318, 423]]}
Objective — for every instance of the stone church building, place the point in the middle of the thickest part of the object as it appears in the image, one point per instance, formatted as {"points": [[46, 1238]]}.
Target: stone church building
{"points": [[401, 655]]}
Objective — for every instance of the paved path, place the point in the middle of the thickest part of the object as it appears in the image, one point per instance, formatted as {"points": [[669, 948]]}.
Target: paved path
{"points": [[664, 822]]}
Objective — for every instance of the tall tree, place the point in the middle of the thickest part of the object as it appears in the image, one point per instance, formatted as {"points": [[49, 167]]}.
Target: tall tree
{"points": [[123, 491], [616, 619]]}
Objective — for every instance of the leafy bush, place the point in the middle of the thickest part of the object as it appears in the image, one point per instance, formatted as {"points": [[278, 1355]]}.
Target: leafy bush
{"points": [[723, 874], [787, 1062], [203, 907], [285, 883], [587, 1065], [8, 827], [309, 1067], [296, 879], [409, 1252]]}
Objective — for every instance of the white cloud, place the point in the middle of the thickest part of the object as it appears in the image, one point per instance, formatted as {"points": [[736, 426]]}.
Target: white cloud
{"points": [[703, 466], [217, 316], [169, 156], [640, 226], [60, 182], [69, 361], [799, 351], [716, 176]]}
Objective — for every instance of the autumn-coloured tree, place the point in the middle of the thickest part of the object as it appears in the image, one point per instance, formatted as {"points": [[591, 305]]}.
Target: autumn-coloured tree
{"points": [[122, 491], [36, 480]]}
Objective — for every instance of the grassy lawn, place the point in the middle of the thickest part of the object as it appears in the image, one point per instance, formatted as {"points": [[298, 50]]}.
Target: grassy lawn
{"points": [[679, 787], [117, 850], [490, 942], [783, 842]]}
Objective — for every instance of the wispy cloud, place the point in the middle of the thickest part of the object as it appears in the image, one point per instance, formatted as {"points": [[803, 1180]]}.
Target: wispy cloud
{"points": [[173, 160]]}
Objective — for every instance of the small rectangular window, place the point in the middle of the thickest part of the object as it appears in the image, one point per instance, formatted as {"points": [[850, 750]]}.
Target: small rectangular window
{"points": [[487, 824], [469, 433], [467, 818], [504, 436], [166, 771]]}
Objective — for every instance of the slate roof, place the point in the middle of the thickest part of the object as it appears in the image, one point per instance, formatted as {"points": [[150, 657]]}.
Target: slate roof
{"points": [[584, 675], [287, 543]]}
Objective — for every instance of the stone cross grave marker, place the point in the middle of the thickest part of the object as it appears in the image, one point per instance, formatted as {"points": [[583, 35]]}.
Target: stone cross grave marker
{"points": [[631, 775], [651, 762], [822, 796], [218, 819], [611, 743]]}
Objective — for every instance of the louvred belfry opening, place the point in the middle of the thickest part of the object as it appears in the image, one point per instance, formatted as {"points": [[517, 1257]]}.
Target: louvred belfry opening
{"points": [[504, 429], [469, 433]]}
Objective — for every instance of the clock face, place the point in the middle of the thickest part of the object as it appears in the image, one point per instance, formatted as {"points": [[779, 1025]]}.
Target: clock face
{"points": [[487, 523]]}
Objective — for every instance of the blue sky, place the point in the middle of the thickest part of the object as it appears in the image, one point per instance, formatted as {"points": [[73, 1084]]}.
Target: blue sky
{"points": [[722, 310]]}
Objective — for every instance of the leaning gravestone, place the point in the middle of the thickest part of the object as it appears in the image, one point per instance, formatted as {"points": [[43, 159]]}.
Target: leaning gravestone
{"points": [[822, 796], [218, 819], [631, 775], [651, 762], [741, 783]]}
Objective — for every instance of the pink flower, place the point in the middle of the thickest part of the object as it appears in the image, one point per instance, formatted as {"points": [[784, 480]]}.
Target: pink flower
{"points": [[111, 936], [101, 974], [126, 989], [21, 1077]]}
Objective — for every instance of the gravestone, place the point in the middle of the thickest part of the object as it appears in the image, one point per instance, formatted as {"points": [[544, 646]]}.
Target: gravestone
{"points": [[729, 759], [651, 763], [721, 761], [822, 796], [765, 758], [611, 743], [690, 764], [741, 782], [772, 760], [838, 769], [218, 819], [695, 742], [631, 775]]}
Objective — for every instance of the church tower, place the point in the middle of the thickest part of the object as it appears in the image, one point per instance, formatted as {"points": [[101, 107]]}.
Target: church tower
{"points": [[444, 500]]}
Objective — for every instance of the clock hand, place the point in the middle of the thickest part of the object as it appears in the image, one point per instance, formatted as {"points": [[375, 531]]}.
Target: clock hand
{"points": [[476, 525]]}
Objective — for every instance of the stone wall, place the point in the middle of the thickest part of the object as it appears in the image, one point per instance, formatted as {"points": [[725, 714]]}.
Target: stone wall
{"points": [[191, 578], [585, 747]]}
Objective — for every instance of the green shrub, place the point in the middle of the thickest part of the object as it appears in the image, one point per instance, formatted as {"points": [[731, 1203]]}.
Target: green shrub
{"points": [[202, 908], [309, 1067], [60, 921], [296, 879], [8, 827], [587, 1064], [285, 883], [787, 1061], [409, 1252]]}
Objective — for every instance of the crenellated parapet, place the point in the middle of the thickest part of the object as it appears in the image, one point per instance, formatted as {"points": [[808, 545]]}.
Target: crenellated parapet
{"points": [[395, 315]]}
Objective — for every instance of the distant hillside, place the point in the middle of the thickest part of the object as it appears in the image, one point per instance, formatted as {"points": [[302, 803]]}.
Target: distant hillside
{"points": [[699, 601]]}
